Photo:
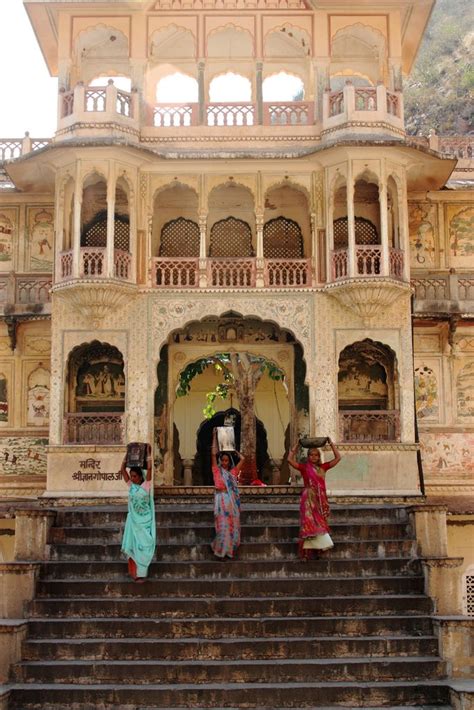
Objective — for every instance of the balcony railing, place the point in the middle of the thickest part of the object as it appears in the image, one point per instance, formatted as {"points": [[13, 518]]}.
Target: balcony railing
{"points": [[25, 289], [231, 273], [368, 262], [292, 113], [93, 428], [287, 273], [367, 425], [371, 104], [230, 114], [93, 263], [176, 273], [441, 292]]}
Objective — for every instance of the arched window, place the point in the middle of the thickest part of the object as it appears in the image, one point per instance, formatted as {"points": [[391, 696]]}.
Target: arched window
{"points": [[368, 393], [231, 237], [365, 232], [282, 239], [180, 237]]}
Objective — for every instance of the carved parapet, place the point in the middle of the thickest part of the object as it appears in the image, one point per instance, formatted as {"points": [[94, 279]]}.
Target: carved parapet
{"points": [[17, 585], [429, 524], [31, 533], [95, 301], [367, 298], [12, 634], [442, 583]]}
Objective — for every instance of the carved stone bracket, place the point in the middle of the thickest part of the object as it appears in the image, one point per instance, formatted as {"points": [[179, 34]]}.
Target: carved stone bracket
{"points": [[95, 301], [367, 298]]}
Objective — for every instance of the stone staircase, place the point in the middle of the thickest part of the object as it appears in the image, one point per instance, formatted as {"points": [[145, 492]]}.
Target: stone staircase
{"points": [[264, 631]]}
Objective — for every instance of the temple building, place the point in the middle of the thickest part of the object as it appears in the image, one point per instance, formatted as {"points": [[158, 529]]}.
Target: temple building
{"points": [[226, 177]]}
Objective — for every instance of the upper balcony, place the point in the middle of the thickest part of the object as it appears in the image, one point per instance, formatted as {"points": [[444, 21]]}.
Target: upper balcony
{"points": [[106, 110]]}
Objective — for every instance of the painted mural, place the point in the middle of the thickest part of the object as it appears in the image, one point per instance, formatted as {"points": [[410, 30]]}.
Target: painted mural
{"points": [[422, 221], [41, 235], [38, 397], [461, 234], [361, 382], [448, 453], [8, 221], [465, 391], [100, 380], [24, 456], [3, 398], [426, 393]]}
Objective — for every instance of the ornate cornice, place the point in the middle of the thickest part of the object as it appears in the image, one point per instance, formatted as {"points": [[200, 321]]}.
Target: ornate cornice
{"points": [[96, 300], [368, 297]]}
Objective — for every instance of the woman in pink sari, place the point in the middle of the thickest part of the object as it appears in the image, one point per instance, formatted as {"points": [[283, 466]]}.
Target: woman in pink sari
{"points": [[226, 502], [314, 506]]}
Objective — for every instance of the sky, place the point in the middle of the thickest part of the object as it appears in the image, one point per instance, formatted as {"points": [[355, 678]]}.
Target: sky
{"points": [[28, 93]]}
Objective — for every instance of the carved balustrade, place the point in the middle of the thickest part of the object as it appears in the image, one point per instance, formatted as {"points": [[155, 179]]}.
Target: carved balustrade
{"points": [[230, 114], [175, 115], [93, 260], [10, 148], [367, 425], [396, 262], [122, 264], [124, 103], [93, 428], [466, 288], [33, 289], [336, 103], [231, 273], [95, 98], [366, 99], [176, 272], [431, 288], [284, 273], [25, 289], [339, 264], [371, 107], [393, 103], [292, 113], [368, 262], [67, 103], [66, 258]]}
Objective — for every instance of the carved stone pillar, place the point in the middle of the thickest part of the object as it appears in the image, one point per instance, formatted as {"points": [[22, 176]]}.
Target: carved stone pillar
{"points": [[109, 259], [351, 245], [385, 261], [76, 235], [260, 262], [201, 93], [203, 250], [259, 92]]}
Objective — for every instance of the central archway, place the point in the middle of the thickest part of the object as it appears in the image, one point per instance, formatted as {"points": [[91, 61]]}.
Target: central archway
{"points": [[281, 406]]}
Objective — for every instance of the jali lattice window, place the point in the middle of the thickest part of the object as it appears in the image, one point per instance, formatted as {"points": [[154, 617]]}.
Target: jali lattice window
{"points": [[365, 232], [94, 234], [180, 238], [469, 594], [282, 239], [231, 237]]}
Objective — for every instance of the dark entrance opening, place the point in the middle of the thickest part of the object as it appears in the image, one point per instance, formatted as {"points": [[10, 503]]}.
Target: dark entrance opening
{"points": [[202, 473]]}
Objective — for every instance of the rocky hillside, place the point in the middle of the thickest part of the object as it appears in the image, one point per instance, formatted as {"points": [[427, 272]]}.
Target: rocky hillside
{"points": [[439, 93]]}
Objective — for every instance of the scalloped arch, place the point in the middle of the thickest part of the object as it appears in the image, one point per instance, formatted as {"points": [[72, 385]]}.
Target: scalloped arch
{"points": [[102, 27], [287, 29], [292, 184], [238, 30]]}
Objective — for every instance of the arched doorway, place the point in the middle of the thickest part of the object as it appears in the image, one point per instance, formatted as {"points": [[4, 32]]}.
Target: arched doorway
{"points": [[182, 433], [202, 474]]}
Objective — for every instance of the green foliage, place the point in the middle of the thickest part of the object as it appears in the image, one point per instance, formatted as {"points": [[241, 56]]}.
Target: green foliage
{"points": [[222, 365], [437, 94]]}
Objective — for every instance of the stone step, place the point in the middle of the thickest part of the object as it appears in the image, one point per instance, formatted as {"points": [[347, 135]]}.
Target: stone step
{"points": [[230, 587], [231, 671], [250, 533], [350, 549], [228, 627], [222, 569], [232, 606], [233, 648], [252, 695], [256, 515]]}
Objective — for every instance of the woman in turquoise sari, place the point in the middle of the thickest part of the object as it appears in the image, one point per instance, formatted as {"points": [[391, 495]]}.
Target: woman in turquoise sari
{"points": [[139, 535]]}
